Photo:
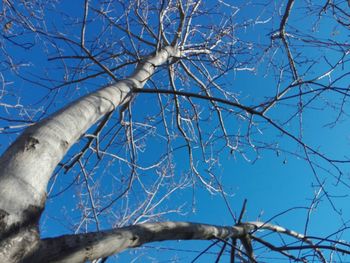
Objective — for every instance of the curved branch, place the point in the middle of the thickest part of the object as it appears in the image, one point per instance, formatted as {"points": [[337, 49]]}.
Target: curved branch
{"points": [[90, 246]]}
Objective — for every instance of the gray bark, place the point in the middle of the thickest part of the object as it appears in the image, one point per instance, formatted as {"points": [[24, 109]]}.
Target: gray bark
{"points": [[26, 166], [83, 247]]}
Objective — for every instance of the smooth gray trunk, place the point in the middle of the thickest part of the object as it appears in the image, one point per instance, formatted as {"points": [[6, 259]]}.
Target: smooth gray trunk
{"points": [[26, 166]]}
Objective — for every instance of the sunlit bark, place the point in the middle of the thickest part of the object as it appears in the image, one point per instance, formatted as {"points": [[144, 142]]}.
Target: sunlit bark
{"points": [[28, 163]]}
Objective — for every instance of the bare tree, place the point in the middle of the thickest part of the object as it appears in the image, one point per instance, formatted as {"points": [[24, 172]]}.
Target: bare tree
{"points": [[170, 111]]}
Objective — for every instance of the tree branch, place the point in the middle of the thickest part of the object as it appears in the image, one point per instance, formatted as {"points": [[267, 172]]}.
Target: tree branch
{"points": [[90, 246]]}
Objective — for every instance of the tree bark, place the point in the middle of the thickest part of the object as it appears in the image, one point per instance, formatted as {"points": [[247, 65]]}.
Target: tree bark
{"points": [[26, 166], [83, 247]]}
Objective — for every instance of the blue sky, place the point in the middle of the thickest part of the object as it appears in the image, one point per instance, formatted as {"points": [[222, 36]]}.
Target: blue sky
{"points": [[272, 180]]}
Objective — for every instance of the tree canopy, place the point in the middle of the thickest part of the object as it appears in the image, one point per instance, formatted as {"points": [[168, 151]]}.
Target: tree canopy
{"points": [[130, 120]]}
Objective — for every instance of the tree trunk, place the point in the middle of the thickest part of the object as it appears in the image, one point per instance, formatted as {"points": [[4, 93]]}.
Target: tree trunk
{"points": [[26, 166]]}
